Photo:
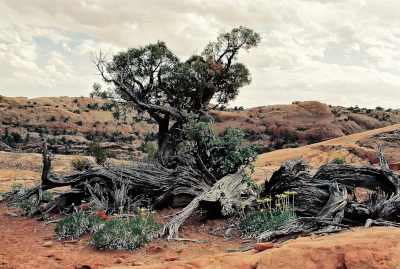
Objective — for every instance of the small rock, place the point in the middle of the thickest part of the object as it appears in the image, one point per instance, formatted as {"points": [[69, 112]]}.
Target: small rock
{"points": [[263, 246], [313, 236], [171, 258], [123, 256], [48, 244], [138, 264], [120, 260], [85, 266]]}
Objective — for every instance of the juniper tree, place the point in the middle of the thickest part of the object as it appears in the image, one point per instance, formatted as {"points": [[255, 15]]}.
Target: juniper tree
{"points": [[154, 82]]}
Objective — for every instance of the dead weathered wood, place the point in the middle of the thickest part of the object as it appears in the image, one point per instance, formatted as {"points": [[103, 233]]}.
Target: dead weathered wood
{"points": [[322, 199]]}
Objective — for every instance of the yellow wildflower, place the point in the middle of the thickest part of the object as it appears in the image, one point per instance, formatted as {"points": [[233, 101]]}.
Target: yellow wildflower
{"points": [[259, 201], [267, 199], [294, 193], [278, 204], [121, 207], [220, 259], [277, 196], [283, 195], [287, 192], [243, 206], [248, 203], [212, 259], [115, 214], [262, 210], [153, 212], [142, 209]]}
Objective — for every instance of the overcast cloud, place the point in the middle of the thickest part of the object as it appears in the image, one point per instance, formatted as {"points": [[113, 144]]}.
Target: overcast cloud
{"points": [[337, 52]]}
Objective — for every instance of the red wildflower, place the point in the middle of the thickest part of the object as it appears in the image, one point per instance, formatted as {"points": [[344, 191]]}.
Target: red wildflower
{"points": [[100, 214], [105, 217]]}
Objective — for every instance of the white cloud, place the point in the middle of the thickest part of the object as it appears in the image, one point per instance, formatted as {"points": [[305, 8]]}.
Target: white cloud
{"points": [[288, 65]]}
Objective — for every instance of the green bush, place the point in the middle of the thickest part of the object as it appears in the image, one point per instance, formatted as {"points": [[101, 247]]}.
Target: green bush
{"points": [[338, 160], [47, 196], [18, 186], [259, 222], [79, 163], [95, 224], [263, 217], [29, 204], [72, 226], [97, 151], [120, 234]]}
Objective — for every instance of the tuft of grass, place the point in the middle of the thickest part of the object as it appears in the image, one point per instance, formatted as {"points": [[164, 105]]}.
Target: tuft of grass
{"points": [[122, 234], [258, 222], [79, 163], [17, 186], [263, 216]]}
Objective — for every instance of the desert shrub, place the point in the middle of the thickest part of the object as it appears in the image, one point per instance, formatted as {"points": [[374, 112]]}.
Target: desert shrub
{"points": [[96, 223], [72, 226], [225, 153], [263, 217], [338, 160], [29, 204], [151, 149], [47, 196], [79, 163], [122, 234], [97, 151], [17, 186], [80, 123]]}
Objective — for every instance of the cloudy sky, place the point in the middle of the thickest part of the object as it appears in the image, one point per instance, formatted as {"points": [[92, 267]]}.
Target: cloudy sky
{"points": [[340, 52]]}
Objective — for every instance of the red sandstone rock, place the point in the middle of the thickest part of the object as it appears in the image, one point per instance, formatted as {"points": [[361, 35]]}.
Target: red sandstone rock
{"points": [[48, 244], [263, 246], [171, 258], [374, 247], [120, 260]]}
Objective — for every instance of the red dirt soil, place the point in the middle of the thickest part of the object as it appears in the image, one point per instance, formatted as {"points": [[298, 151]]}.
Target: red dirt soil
{"points": [[22, 240]]}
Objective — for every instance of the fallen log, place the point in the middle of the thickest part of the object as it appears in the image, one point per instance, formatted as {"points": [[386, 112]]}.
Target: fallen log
{"points": [[327, 197]]}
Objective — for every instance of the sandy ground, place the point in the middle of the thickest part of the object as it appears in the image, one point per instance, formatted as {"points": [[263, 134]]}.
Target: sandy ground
{"points": [[22, 239]]}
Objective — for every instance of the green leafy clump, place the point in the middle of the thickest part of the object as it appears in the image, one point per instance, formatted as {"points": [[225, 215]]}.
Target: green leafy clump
{"points": [[79, 163], [47, 196], [29, 204], [122, 234], [338, 160], [95, 224], [17, 186], [262, 216], [258, 222], [97, 151], [225, 153], [72, 226]]}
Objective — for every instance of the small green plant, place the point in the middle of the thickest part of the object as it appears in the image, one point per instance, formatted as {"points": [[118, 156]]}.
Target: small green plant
{"points": [[338, 159], [97, 151], [17, 186], [79, 163], [29, 204], [47, 196], [72, 226], [122, 234], [262, 218]]}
